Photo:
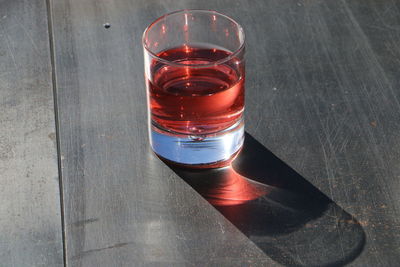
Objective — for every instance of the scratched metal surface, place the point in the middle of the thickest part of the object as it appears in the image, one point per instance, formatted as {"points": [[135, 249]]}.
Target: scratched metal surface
{"points": [[30, 222], [322, 95]]}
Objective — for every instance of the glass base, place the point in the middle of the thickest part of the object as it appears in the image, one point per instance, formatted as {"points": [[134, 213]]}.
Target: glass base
{"points": [[198, 151]]}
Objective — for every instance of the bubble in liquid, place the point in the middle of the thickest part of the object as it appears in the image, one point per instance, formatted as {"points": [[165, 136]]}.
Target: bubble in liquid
{"points": [[196, 129]]}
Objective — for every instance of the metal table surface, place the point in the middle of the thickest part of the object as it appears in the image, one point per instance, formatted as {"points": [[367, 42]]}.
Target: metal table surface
{"points": [[317, 181]]}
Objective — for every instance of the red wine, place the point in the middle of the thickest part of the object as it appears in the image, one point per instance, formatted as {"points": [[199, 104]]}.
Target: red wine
{"points": [[197, 95]]}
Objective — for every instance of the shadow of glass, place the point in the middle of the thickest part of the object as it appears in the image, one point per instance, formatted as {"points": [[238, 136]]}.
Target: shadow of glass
{"points": [[282, 213]]}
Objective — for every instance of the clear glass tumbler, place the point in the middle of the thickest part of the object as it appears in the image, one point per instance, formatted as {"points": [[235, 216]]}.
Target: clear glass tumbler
{"points": [[195, 73]]}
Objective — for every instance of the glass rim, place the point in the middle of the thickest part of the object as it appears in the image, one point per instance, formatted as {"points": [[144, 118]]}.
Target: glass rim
{"points": [[214, 63]]}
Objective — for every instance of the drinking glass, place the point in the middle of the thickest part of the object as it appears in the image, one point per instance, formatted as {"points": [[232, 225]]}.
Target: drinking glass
{"points": [[195, 73]]}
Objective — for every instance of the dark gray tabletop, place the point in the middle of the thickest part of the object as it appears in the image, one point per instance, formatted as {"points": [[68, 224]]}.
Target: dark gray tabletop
{"points": [[321, 155]]}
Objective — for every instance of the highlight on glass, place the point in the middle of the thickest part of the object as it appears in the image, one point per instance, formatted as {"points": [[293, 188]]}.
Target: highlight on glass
{"points": [[195, 74]]}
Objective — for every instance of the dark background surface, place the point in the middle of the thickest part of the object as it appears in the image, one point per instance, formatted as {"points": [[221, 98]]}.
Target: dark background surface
{"points": [[322, 95]]}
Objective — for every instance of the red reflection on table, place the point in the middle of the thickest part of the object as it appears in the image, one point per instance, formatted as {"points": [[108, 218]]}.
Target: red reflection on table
{"points": [[231, 188]]}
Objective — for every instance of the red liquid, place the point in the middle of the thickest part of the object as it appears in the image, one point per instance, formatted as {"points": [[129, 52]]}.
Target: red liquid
{"points": [[196, 100]]}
